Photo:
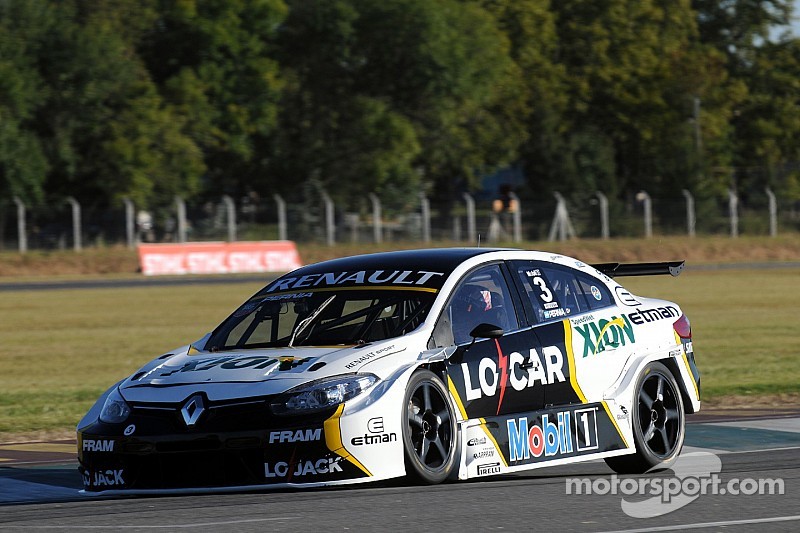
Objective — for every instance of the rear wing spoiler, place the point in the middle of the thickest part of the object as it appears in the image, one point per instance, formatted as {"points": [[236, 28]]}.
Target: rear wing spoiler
{"points": [[612, 270]]}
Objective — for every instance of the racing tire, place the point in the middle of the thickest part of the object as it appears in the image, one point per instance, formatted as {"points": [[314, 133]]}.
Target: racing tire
{"points": [[429, 429], [659, 423]]}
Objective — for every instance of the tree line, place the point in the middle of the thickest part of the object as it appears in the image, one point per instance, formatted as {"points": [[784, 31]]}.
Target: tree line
{"points": [[148, 99]]}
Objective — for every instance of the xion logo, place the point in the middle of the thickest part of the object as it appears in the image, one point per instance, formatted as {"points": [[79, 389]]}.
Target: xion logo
{"points": [[192, 410], [549, 438], [326, 465], [90, 445], [300, 435], [236, 363], [513, 369], [597, 335], [360, 277]]}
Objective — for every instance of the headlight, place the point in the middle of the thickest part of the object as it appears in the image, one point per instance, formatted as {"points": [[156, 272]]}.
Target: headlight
{"points": [[115, 410], [322, 394]]}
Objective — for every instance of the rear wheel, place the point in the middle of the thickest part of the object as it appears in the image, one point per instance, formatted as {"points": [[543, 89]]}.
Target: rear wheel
{"points": [[658, 423], [429, 429]]}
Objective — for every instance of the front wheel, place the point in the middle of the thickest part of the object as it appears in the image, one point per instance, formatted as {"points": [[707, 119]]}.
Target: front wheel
{"points": [[429, 429], [659, 422]]}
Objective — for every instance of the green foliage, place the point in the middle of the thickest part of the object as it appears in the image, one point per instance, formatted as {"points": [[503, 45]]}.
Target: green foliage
{"points": [[149, 99]]}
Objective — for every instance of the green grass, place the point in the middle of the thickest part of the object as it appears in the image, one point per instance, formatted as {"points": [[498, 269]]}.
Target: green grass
{"points": [[60, 349], [745, 326]]}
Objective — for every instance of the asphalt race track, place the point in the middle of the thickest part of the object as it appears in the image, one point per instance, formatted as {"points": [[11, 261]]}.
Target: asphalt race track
{"points": [[39, 491]]}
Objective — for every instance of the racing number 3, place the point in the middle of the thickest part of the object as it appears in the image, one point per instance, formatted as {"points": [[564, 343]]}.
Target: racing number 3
{"points": [[544, 292]]}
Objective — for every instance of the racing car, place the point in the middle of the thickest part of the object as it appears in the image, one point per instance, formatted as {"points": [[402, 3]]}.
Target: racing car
{"points": [[437, 364]]}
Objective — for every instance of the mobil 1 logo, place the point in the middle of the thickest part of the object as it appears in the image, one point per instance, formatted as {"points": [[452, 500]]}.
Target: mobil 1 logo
{"points": [[552, 435]]}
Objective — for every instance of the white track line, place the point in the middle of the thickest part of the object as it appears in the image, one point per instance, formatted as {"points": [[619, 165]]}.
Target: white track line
{"points": [[699, 525]]}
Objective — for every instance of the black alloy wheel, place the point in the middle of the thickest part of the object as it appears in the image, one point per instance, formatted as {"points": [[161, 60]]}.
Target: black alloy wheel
{"points": [[659, 423], [429, 430]]}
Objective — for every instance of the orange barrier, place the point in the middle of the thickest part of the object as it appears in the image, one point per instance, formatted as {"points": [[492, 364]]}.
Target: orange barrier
{"points": [[218, 257]]}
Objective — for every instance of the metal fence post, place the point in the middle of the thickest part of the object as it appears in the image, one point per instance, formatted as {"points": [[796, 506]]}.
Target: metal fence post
{"points": [[377, 230], [604, 232], [330, 229], [76, 223], [773, 213], [425, 206], [691, 221], [129, 223], [733, 212], [643, 197], [516, 216], [470, 217], [22, 233], [180, 207], [281, 216], [231, 212], [561, 226]]}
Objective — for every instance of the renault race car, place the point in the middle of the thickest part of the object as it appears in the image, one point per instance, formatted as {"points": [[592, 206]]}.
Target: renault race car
{"points": [[435, 364]]}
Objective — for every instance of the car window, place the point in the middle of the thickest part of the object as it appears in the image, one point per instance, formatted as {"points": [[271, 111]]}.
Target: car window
{"points": [[322, 317], [556, 292], [482, 297]]}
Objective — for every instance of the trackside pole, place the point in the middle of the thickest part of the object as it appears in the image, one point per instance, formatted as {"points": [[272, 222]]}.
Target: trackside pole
{"points": [[281, 216], [76, 223], [691, 221]]}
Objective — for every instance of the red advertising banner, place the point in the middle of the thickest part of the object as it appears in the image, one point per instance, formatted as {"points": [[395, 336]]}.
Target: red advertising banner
{"points": [[218, 257]]}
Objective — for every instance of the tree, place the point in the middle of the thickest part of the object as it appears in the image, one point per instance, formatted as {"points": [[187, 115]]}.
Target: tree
{"points": [[438, 72], [212, 62], [23, 165]]}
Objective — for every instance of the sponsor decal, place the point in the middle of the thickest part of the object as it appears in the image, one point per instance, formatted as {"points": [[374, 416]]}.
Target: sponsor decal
{"points": [[515, 369], [555, 313], [549, 438], [651, 315], [99, 445], [302, 467], [596, 293], [300, 435], [618, 331], [235, 363], [477, 441], [488, 469], [366, 357], [484, 454], [376, 434], [624, 414], [687, 346], [360, 277], [626, 297], [601, 333], [103, 478], [130, 429]]}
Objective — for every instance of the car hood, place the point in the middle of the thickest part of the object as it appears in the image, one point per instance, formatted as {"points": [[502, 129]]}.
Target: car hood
{"points": [[274, 370]]}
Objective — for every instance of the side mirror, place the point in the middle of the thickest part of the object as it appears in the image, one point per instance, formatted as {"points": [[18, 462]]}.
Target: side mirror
{"points": [[486, 331], [481, 331]]}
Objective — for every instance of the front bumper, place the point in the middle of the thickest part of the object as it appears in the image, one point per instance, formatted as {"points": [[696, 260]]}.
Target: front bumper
{"points": [[234, 444]]}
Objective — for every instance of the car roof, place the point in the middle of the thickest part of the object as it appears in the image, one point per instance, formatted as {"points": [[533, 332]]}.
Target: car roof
{"points": [[430, 267], [444, 259]]}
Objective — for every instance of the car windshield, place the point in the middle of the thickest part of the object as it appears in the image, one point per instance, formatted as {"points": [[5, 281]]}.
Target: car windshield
{"points": [[322, 318]]}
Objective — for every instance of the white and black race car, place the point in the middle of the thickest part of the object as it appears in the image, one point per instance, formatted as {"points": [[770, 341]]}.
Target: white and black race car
{"points": [[449, 363]]}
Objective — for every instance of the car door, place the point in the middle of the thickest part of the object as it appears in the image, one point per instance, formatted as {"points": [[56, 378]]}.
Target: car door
{"points": [[575, 315], [495, 376]]}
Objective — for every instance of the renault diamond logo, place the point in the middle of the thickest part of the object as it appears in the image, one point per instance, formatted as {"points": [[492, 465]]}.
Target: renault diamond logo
{"points": [[192, 410]]}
